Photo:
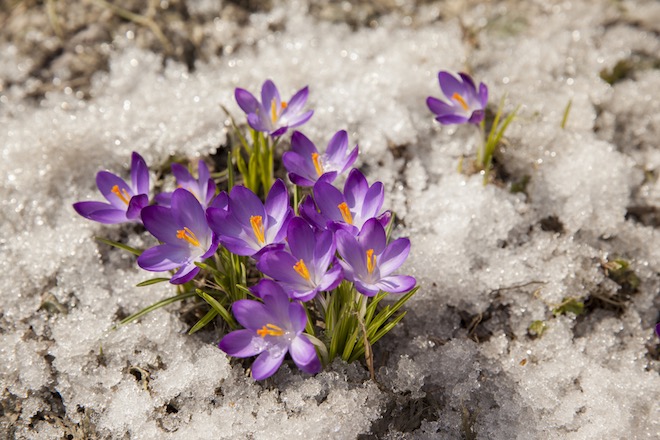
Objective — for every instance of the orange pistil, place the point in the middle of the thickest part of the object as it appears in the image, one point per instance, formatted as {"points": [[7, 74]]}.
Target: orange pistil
{"points": [[258, 228], [345, 213], [270, 330], [460, 100], [317, 164], [187, 235], [274, 111], [302, 269], [122, 194], [371, 261]]}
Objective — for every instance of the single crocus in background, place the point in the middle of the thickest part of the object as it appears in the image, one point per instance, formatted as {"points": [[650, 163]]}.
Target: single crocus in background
{"points": [[306, 165], [462, 104], [273, 328], [125, 201], [248, 227], [186, 237], [348, 210], [203, 188], [304, 270], [368, 261], [272, 115]]}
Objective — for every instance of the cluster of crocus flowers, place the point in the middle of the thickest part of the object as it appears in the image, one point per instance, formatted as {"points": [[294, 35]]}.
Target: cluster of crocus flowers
{"points": [[335, 250]]}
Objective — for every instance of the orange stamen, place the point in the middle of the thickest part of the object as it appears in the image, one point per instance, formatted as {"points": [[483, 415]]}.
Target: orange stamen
{"points": [[302, 269], [371, 261], [270, 329], [187, 235], [460, 100], [273, 109], [122, 194], [258, 228], [317, 163], [345, 213]]}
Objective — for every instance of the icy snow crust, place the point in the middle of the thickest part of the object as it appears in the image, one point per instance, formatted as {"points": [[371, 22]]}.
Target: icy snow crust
{"points": [[464, 362]]}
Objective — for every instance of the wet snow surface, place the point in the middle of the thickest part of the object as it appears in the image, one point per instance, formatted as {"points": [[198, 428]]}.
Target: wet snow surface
{"points": [[490, 261]]}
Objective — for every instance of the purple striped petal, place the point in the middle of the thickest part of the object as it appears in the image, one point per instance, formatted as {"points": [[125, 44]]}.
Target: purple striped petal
{"points": [[332, 278], [182, 175], [396, 284], [337, 146], [297, 101], [300, 119], [301, 239], [328, 198], [244, 204], [373, 201], [356, 188], [439, 107], [279, 266], [297, 317], [259, 122]]}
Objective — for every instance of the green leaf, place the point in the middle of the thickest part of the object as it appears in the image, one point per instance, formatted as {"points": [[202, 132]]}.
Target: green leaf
{"points": [[156, 305], [537, 328], [152, 281], [569, 305], [230, 172], [321, 349], [224, 314], [567, 110], [119, 245], [206, 319]]}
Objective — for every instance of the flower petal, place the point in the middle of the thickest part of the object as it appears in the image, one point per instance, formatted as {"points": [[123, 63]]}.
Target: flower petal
{"points": [[183, 176], [297, 101], [439, 107], [300, 119], [355, 189], [394, 256], [244, 204], [268, 93], [297, 317], [302, 145], [100, 212], [328, 198], [301, 239], [136, 205], [336, 150], [259, 122], [277, 203], [246, 100], [352, 253], [251, 314], [324, 249], [163, 257], [279, 266], [396, 283], [332, 278], [242, 343], [160, 222], [304, 355], [372, 202], [139, 174], [106, 181], [372, 236], [185, 274], [189, 213], [450, 85], [267, 364]]}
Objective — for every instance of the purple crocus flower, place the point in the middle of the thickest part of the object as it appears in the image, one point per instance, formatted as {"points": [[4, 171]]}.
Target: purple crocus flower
{"points": [[272, 329], [306, 165], [348, 210], [185, 236], [368, 260], [272, 115], [126, 201], [247, 226], [303, 270], [202, 188], [462, 101]]}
